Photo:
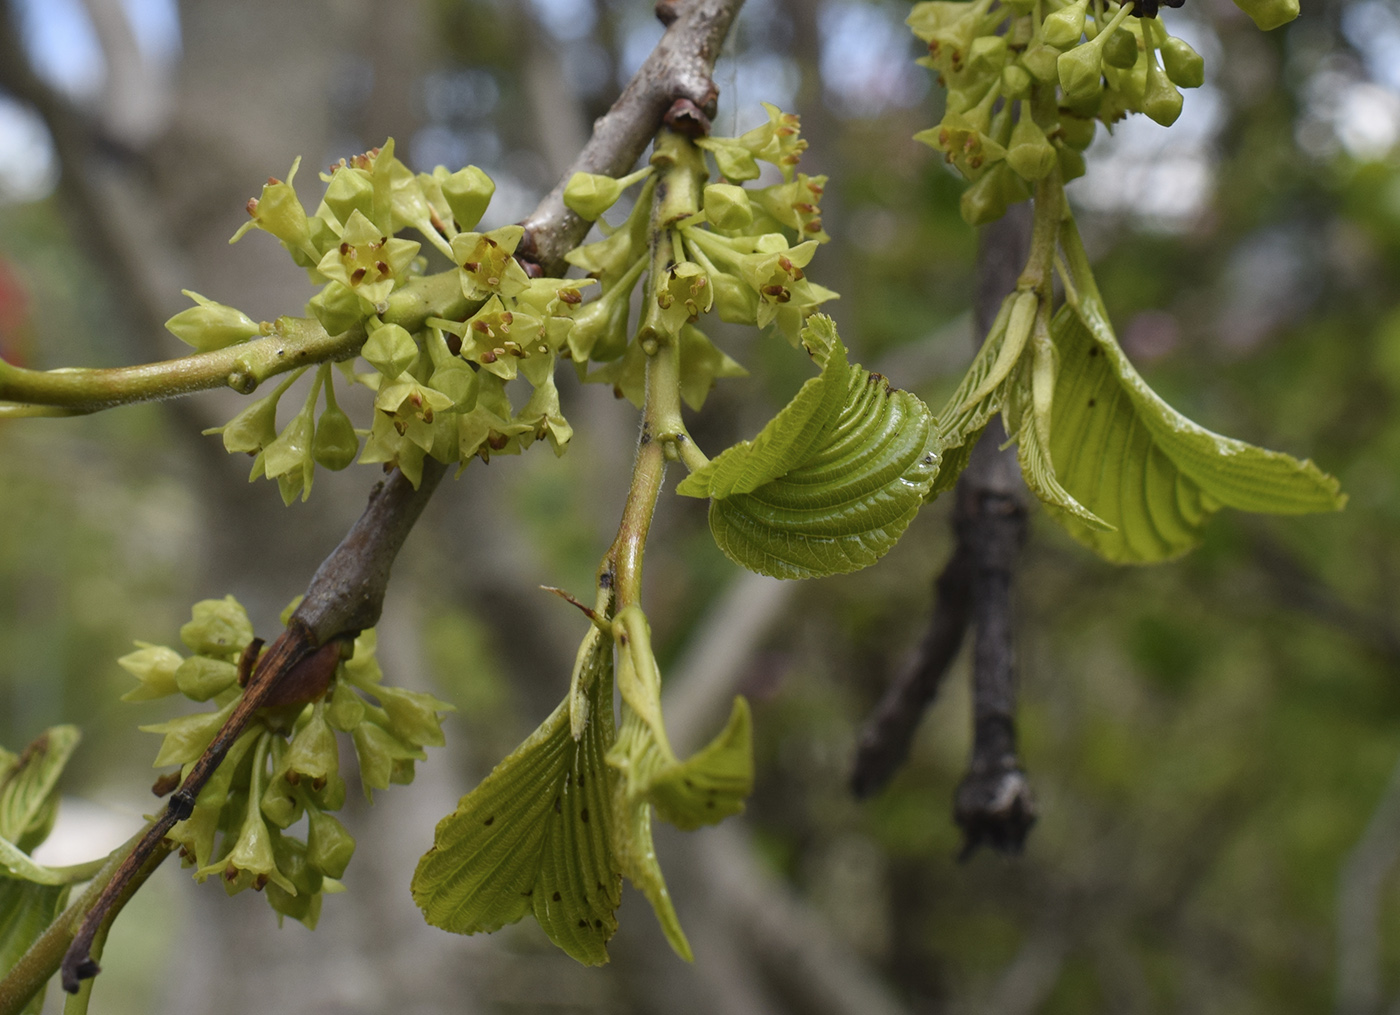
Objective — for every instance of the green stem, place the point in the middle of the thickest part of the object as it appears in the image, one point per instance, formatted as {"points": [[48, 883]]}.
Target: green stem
{"points": [[1080, 270], [42, 960], [1048, 205], [294, 342], [664, 437]]}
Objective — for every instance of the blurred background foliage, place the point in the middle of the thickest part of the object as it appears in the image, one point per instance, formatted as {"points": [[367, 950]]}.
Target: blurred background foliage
{"points": [[1213, 742]]}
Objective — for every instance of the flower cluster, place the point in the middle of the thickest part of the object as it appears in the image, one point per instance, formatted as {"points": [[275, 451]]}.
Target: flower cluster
{"points": [[1029, 82], [744, 255], [441, 369], [285, 765]]}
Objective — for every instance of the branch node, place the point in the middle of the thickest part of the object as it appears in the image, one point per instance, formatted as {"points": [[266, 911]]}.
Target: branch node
{"points": [[994, 807], [667, 11], [685, 117]]}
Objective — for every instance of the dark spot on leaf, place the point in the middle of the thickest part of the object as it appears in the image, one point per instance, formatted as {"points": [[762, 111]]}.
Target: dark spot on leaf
{"points": [[489, 820], [710, 804], [1094, 351], [580, 780], [556, 805], [598, 924], [688, 784], [584, 815], [1092, 403], [583, 923], [557, 896]]}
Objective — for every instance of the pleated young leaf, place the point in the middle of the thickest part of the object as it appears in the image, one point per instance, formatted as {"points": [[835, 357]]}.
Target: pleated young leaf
{"points": [[962, 419], [26, 910], [31, 896], [1145, 469], [28, 786], [704, 789], [16, 863], [535, 836], [792, 436], [713, 782], [830, 484], [636, 852]]}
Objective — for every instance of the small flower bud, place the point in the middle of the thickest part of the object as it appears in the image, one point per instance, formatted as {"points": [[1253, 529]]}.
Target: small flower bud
{"points": [[413, 716], [200, 678], [1183, 64], [211, 325], [290, 453], [1081, 70], [1065, 27], [328, 845], [1029, 154], [252, 863], [338, 308], [987, 54], [1121, 49], [313, 754], [1130, 86], [280, 213], [345, 711], [734, 160], [591, 194], [402, 772], [188, 736], [467, 191], [335, 444], [252, 429], [1088, 106], [391, 350], [294, 863], [280, 803], [600, 328], [330, 795], [1071, 163], [1269, 14], [154, 666], [1015, 81], [728, 207], [378, 749], [304, 903], [459, 383], [1042, 62], [1162, 102], [350, 190], [987, 199], [1077, 132], [735, 301], [218, 628]]}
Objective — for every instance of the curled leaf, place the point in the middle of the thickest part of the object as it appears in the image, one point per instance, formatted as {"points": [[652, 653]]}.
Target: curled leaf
{"points": [[832, 481]]}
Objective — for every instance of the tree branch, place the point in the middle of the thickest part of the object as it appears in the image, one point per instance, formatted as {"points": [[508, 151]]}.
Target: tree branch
{"points": [[885, 740], [346, 594], [993, 804], [680, 67], [294, 342]]}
